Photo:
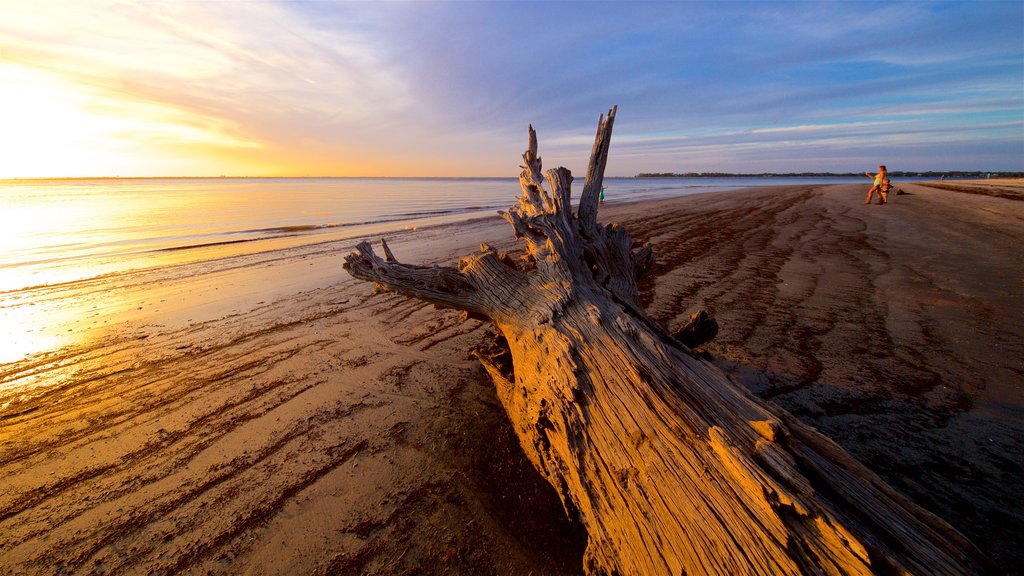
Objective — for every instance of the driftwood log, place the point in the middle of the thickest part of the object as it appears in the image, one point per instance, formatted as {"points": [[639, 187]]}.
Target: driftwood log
{"points": [[670, 467]]}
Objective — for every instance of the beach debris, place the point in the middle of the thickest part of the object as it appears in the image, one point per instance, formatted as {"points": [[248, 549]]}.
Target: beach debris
{"points": [[670, 467], [699, 329], [387, 251]]}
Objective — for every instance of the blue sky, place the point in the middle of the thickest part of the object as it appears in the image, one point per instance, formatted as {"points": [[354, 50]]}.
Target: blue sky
{"points": [[447, 88]]}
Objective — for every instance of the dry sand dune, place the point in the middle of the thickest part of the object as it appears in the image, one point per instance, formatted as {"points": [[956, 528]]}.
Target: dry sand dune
{"points": [[269, 415]]}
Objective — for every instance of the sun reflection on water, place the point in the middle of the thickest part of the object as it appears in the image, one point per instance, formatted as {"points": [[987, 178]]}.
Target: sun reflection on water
{"points": [[47, 320], [26, 330]]}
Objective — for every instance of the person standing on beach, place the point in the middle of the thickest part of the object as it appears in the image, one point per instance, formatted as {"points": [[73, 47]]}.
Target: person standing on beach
{"points": [[601, 199], [880, 178]]}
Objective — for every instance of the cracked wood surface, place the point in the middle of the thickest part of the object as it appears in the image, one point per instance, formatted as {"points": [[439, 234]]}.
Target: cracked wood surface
{"points": [[670, 467]]}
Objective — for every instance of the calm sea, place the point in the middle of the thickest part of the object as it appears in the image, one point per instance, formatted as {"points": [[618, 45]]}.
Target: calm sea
{"points": [[54, 231]]}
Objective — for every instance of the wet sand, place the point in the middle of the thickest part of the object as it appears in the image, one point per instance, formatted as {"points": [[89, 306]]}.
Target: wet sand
{"points": [[896, 330], [267, 414]]}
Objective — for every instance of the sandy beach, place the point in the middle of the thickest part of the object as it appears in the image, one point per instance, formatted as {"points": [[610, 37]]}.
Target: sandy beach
{"points": [[268, 414]]}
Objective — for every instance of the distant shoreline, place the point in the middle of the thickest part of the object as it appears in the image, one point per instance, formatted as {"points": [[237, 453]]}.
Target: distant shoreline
{"points": [[951, 174], [954, 174]]}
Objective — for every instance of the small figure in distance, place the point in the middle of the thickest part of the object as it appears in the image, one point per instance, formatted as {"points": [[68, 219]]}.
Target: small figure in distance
{"points": [[884, 192], [601, 198], [877, 186]]}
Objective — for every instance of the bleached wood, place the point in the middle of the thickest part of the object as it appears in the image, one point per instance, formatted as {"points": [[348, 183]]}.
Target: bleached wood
{"points": [[671, 468], [595, 169]]}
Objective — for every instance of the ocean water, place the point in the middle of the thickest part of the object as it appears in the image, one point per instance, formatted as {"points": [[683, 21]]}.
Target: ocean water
{"points": [[57, 231]]}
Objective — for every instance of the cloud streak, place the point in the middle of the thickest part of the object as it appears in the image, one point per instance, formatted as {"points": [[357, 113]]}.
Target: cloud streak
{"points": [[435, 88]]}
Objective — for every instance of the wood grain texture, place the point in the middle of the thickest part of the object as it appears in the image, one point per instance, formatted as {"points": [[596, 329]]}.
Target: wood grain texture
{"points": [[671, 468]]}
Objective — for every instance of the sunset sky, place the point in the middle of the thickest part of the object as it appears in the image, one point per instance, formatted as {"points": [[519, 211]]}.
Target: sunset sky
{"points": [[447, 88]]}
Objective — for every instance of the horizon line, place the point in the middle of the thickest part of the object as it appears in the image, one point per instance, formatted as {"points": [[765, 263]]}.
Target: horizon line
{"points": [[640, 175]]}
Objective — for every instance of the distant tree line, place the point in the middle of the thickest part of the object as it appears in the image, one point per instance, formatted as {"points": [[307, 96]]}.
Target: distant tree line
{"points": [[975, 174]]}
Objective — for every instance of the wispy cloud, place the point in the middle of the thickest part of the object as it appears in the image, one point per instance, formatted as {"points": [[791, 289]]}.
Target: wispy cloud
{"points": [[447, 88], [215, 74]]}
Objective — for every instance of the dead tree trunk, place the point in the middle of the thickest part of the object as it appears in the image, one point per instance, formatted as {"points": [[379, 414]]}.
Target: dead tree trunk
{"points": [[671, 468]]}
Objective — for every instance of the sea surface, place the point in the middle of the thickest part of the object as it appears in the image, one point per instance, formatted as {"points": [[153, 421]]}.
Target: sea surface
{"points": [[81, 258], [56, 231]]}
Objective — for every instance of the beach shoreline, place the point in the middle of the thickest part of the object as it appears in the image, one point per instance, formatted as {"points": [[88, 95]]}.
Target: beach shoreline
{"points": [[268, 414]]}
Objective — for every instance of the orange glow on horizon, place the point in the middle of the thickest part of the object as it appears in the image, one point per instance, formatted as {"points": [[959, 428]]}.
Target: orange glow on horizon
{"points": [[55, 127], [112, 90]]}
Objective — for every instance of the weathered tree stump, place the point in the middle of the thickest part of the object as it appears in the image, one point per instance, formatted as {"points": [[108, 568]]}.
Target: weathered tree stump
{"points": [[671, 468]]}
